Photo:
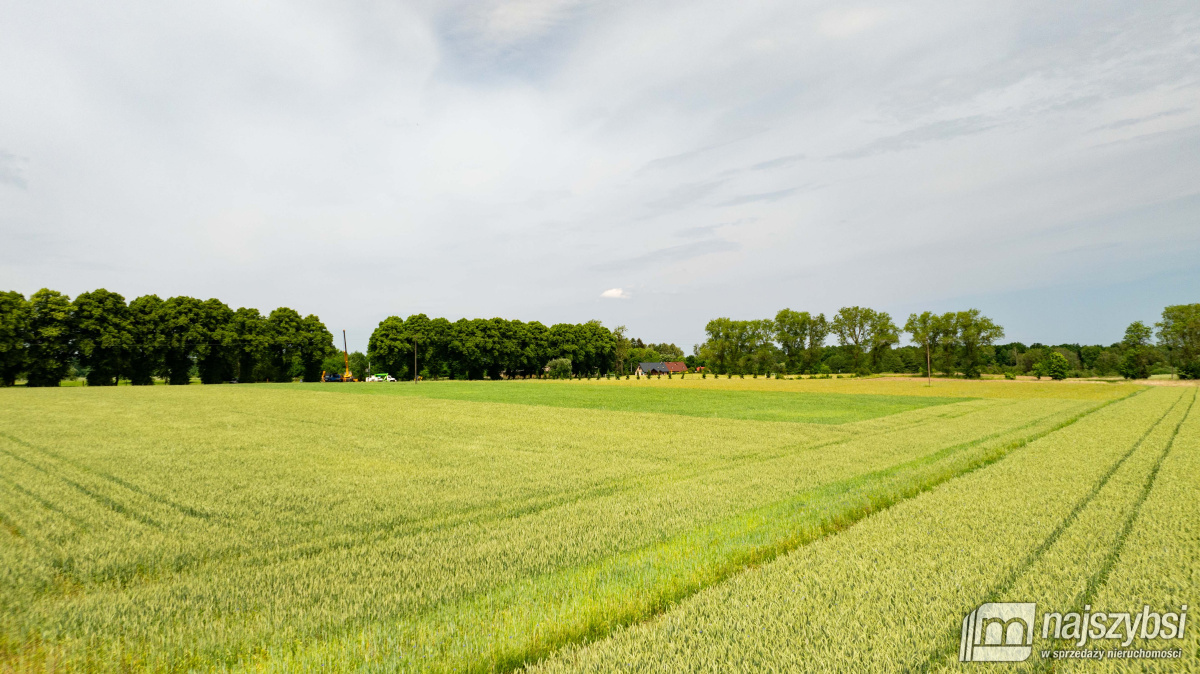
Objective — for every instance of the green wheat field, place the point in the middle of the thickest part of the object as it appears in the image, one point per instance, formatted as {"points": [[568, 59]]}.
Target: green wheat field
{"points": [[565, 526]]}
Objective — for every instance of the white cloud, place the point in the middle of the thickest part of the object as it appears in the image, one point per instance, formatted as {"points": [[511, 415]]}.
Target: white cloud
{"points": [[615, 294]]}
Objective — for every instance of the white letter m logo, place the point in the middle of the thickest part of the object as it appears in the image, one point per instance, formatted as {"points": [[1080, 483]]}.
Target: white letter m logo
{"points": [[998, 633]]}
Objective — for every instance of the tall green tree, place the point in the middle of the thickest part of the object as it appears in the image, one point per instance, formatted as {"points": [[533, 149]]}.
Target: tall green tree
{"points": [[422, 338], [285, 327], [100, 321], [470, 348], [1135, 364], [252, 350], [974, 332], [315, 343], [791, 333], [181, 324], [1179, 334], [762, 355], [565, 341], [217, 348], [947, 356], [927, 330], [884, 334], [600, 347], [724, 347], [14, 330], [818, 332], [621, 348], [860, 330], [50, 344], [390, 347], [147, 342], [535, 348]]}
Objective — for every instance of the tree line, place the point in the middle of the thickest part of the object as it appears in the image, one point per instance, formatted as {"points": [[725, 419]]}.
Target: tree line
{"points": [[101, 337], [953, 343], [48, 336], [479, 347], [795, 342]]}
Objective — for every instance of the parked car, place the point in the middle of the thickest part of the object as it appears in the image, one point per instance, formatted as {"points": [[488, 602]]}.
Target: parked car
{"points": [[382, 376], [333, 377]]}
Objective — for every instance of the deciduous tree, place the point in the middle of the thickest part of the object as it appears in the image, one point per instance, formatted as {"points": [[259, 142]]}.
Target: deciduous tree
{"points": [[181, 324], [50, 345], [286, 329], [791, 333], [1179, 334], [147, 343], [926, 329], [252, 350], [861, 329], [1135, 364], [1056, 365], [100, 321], [217, 343], [974, 332], [14, 330]]}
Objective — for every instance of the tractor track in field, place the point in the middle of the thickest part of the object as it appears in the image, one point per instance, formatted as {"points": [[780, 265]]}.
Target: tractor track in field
{"points": [[83, 468], [109, 503], [997, 592], [1098, 579]]}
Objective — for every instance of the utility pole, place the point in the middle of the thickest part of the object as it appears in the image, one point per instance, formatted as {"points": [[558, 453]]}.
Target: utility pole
{"points": [[346, 354]]}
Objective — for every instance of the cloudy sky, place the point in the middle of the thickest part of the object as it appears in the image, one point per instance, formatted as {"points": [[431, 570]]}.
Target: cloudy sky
{"points": [[645, 163]]}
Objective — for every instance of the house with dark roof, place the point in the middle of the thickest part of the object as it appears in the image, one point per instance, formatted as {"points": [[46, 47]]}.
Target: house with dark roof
{"points": [[651, 368]]}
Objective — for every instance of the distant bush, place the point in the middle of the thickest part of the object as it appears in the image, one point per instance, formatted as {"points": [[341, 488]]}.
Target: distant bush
{"points": [[1010, 375], [1190, 370], [560, 368]]}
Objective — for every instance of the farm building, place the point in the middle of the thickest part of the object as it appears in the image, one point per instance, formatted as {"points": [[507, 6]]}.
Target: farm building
{"points": [[651, 368], [670, 367]]}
